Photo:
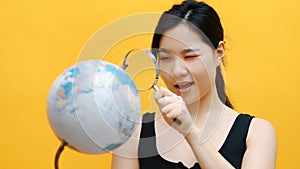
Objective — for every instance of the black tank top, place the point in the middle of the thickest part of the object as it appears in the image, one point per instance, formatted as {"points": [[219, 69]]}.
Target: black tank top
{"points": [[232, 150]]}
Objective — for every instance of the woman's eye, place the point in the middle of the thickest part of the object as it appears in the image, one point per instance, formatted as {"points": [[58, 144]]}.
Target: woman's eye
{"points": [[165, 58], [190, 56]]}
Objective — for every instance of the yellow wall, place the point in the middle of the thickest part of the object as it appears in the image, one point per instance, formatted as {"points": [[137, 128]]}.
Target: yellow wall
{"points": [[39, 39]]}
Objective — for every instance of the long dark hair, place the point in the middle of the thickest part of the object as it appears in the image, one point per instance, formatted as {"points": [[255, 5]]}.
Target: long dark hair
{"points": [[205, 20]]}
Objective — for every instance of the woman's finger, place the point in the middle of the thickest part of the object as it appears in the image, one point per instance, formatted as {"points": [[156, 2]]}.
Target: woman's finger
{"points": [[158, 94], [175, 104], [166, 92], [163, 101]]}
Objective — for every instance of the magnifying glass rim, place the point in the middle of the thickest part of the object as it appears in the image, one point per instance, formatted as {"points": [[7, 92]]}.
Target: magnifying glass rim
{"points": [[152, 57]]}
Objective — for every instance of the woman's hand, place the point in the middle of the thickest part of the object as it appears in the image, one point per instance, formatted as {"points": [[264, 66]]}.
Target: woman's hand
{"points": [[174, 108]]}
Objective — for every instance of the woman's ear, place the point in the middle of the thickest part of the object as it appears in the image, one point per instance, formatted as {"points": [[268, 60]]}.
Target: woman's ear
{"points": [[220, 52]]}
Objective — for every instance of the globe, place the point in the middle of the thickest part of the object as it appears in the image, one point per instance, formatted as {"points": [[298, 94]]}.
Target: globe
{"points": [[94, 106]]}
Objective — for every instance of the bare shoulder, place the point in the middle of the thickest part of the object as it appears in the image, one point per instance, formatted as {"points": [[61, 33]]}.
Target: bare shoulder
{"points": [[127, 154], [261, 130], [130, 147], [259, 125]]}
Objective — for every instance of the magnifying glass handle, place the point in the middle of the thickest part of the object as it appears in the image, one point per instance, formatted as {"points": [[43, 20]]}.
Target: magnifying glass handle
{"points": [[155, 87], [177, 121]]}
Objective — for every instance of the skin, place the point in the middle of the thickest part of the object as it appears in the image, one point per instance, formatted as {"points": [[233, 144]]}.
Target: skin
{"points": [[186, 60]]}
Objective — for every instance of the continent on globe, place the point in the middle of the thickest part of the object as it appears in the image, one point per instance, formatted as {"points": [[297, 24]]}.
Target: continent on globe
{"points": [[94, 106]]}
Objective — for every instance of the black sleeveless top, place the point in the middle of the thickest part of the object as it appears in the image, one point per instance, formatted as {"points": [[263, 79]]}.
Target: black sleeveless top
{"points": [[232, 150]]}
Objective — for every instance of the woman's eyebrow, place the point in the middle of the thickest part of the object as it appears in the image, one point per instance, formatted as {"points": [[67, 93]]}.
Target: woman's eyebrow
{"points": [[162, 50], [185, 51]]}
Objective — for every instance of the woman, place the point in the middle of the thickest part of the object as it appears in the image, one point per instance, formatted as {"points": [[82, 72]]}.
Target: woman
{"points": [[197, 126]]}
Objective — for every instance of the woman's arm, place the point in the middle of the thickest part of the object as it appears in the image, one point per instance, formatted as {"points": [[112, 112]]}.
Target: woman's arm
{"points": [[173, 106], [207, 155], [261, 146], [261, 139], [260, 152]]}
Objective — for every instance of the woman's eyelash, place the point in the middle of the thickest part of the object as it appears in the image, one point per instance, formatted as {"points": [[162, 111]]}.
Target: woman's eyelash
{"points": [[164, 58], [191, 56]]}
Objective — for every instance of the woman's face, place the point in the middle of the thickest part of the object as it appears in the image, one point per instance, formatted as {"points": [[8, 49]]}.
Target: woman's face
{"points": [[187, 63]]}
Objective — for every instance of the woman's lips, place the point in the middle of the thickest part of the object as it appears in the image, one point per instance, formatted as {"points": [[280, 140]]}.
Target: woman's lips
{"points": [[184, 87]]}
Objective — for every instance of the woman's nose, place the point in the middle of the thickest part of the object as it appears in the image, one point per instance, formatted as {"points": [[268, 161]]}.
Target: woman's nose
{"points": [[179, 68]]}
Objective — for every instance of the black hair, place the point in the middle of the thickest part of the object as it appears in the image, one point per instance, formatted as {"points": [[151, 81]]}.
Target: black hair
{"points": [[202, 18]]}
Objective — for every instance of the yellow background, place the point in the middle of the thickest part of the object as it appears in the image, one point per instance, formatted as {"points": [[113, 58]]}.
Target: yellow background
{"points": [[39, 39]]}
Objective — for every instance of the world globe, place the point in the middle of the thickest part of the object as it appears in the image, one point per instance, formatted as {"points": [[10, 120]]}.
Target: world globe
{"points": [[93, 106]]}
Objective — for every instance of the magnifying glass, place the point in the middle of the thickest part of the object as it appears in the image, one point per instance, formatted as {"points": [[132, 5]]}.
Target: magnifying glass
{"points": [[141, 65]]}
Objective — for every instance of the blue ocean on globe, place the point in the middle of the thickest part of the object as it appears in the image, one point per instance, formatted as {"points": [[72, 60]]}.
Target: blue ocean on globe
{"points": [[94, 106]]}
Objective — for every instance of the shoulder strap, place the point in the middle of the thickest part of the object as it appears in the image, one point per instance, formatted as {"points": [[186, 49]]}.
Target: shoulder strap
{"points": [[148, 129], [234, 146], [240, 127], [147, 142]]}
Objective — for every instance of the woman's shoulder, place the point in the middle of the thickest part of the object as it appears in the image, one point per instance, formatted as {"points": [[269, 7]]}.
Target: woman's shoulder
{"points": [[127, 153], [129, 148], [261, 134], [261, 128]]}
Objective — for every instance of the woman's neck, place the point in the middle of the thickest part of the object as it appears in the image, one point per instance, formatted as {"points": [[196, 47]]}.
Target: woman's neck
{"points": [[207, 112]]}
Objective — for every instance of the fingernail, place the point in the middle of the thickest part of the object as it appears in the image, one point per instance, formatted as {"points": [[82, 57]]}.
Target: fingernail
{"points": [[177, 121]]}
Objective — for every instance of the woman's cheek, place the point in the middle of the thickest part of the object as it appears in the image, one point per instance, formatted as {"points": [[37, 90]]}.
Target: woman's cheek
{"points": [[169, 81]]}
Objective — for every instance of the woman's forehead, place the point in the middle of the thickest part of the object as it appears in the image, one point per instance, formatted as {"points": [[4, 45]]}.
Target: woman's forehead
{"points": [[181, 34]]}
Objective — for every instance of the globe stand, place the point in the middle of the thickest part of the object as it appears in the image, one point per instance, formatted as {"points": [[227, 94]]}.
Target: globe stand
{"points": [[58, 152]]}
